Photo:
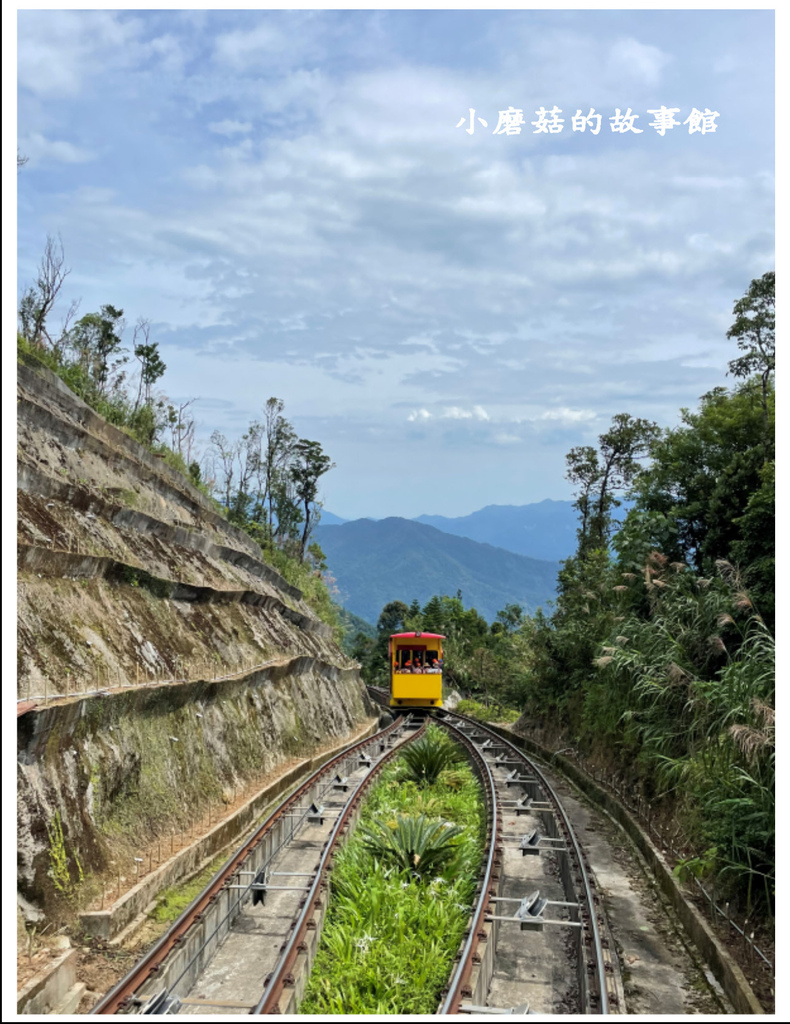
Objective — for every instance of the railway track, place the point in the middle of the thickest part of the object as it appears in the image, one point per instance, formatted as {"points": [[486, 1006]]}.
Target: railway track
{"points": [[539, 884], [246, 943], [235, 948]]}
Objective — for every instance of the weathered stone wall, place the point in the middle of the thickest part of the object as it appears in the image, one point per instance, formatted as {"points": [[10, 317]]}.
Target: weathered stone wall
{"points": [[105, 455], [122, 769], [127, 574]]}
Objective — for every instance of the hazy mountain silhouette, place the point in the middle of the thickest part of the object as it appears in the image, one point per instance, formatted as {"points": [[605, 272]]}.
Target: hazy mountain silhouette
{"points": [[545, 530], [400, 559]]}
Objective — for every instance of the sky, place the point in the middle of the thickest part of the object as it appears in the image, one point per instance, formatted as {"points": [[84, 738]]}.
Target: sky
{"points": [[297, 202]]}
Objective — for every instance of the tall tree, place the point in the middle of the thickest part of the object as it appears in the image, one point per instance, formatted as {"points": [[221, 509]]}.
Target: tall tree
{"points": [[754, 329], [224, 451], [310, 463], [96, 337], [182, 432], [601, 474], [584, 470], [279, 438], [151, 365], [37, 301]]}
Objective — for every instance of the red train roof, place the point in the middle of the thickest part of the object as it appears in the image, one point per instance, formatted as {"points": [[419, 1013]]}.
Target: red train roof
{"points": [[431, 636]]}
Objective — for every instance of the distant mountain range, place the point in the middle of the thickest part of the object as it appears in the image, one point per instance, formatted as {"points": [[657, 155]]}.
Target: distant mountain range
{"points": [[401, 559], [546, 529], [330, 519]]}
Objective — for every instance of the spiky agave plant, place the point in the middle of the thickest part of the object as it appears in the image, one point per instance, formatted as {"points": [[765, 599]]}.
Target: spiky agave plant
{"points": [[426, 759], [417, 845]]}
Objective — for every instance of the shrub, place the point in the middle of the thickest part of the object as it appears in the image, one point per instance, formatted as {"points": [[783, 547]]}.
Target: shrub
{"points": [[426, 759], [412, 844]]}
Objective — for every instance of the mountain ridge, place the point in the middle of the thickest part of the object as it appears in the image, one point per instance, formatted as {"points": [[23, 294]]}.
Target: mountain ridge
{"points": [[375, 562], [545, 530]]}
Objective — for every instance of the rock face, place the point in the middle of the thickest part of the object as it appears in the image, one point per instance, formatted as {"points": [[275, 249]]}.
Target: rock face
{"points": [[127, 577]]}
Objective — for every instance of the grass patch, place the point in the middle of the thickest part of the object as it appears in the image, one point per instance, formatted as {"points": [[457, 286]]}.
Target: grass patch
{"points": [[486, 713], [392, 932], [173, 902]]}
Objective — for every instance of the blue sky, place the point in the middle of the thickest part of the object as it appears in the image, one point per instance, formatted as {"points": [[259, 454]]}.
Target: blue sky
{"points": [[287, 196]]}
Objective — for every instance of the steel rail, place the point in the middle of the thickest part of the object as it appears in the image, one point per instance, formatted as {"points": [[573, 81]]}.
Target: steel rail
{"points": [[457, 990], [277, 980], [119, 996], [571, 835]]}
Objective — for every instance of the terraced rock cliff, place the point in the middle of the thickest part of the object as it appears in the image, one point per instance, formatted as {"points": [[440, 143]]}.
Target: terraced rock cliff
{"points": [[165, 662]]}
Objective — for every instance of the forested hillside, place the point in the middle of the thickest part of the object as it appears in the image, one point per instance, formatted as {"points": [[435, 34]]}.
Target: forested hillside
{"points": [[660, 654], [658, 658]]}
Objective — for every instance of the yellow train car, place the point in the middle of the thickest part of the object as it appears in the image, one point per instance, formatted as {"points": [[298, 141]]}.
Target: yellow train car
{"points": [[416, 670]]}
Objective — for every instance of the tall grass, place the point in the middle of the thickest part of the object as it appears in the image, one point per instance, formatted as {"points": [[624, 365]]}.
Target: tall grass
{"points": [[689, 695]]}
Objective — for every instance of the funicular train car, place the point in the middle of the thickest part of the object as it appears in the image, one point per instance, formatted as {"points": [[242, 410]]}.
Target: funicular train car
{"points": [[416, 670]]}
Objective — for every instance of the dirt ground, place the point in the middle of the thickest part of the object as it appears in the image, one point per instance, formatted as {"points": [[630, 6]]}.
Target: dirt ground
{"points": [[100, 967]]}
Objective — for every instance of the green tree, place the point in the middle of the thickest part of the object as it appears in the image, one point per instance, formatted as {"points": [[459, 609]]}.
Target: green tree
{"points": [[755, 547], [152, 366], [754, 330], [601, 474], [279, 439], [309, 464], [511, 617], [392, 618], [702, 479], [96, 338], [584, 469]]}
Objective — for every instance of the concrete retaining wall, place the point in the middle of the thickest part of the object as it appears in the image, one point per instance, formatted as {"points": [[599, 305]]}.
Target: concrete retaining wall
{"points": [[187, 960], [48, 990], [106, 924]]}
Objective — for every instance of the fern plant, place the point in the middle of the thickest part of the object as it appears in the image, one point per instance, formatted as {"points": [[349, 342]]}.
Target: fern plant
{"points": [[417, 845], [426, 759]]}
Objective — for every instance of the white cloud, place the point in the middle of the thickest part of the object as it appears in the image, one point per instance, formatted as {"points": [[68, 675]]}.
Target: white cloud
{"points": [[630, 58], [568, 415], [59, 50], [245, 48], [451, 412], [41, 150], [228, 127]]}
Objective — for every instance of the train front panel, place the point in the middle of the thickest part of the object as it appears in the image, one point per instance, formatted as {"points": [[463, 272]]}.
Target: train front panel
{"points": [[416, 663]]}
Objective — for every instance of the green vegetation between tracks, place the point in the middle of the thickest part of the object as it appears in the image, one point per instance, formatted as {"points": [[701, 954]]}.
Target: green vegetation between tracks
{"points": [[402, 891]]}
